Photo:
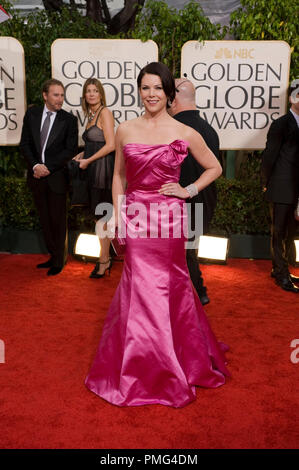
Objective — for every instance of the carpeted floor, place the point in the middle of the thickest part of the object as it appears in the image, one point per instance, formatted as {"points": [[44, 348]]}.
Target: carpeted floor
{"points": [[51, 328]]}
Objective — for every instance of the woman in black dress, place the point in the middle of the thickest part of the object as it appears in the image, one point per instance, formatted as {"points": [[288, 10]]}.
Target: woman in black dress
{"points": [[98, 160]]}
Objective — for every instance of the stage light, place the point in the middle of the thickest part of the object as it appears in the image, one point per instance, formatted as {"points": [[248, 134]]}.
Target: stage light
{"points": [[87, 246], [213, 249]]}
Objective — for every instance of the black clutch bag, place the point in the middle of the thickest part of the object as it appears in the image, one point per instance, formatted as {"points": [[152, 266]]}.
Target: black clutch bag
{"points": [[118, 244], [79, 185]]}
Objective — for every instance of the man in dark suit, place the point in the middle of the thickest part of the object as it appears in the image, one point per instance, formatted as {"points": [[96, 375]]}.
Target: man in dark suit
{"points": [[183, 108], [49, 139], [280, 174]]}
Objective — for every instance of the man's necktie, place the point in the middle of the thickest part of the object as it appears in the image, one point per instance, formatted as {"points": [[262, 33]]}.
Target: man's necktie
{"points": [[44, 131]]}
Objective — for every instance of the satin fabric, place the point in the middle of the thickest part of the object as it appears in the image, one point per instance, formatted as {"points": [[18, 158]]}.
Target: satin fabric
{"points": [[156, 344]]}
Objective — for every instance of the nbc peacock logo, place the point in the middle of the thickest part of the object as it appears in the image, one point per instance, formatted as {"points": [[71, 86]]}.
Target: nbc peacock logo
{"points": [[226, 53]]}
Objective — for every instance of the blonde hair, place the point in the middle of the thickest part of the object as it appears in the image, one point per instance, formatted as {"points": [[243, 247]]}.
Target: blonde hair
{"points": [[99, 86]]}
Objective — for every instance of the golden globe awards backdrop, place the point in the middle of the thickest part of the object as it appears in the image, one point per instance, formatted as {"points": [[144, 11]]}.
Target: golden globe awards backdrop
{"points": [[115, 62], [12, 90], [241, 87]]}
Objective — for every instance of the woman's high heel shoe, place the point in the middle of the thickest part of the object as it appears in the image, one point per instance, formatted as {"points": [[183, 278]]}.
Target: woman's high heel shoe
{"points": [[95, 274]]}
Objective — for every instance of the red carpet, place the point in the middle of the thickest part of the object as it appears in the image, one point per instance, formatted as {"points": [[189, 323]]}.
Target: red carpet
{"points": [[51, 328]]}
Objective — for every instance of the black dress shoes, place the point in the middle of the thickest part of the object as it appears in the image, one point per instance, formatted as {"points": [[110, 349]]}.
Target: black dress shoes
{"points": [[204, 299], [286, 284], [291, 276], [294, 278], [47, 264], [54, 270]]}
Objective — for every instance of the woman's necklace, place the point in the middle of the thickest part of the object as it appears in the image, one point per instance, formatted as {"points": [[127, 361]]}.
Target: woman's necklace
{"points": [[91, 114]]}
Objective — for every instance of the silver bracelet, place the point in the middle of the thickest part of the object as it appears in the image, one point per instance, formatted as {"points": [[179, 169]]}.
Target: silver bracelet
{"points": [[192, 190]]}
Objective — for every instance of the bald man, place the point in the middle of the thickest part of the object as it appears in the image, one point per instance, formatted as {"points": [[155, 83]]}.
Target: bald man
{"points": [[183, 109]]}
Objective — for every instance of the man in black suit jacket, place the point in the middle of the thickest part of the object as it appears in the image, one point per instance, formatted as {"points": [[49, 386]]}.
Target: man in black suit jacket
{"points": [[49, 139], [183, 108], [280, 174]]}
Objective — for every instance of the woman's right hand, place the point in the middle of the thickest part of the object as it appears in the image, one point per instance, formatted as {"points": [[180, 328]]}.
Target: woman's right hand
{"points": [[78, 157]]}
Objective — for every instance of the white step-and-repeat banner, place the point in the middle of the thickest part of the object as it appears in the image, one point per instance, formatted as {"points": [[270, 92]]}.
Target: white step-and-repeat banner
{"points": [[115, 62], [241, 86], [12, 90]]}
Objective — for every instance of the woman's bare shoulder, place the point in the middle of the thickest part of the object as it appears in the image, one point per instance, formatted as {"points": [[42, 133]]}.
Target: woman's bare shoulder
{"points": [[105, 113], [131, 123], [122, 131], [123, 127], [188, 133], [127, 127]]}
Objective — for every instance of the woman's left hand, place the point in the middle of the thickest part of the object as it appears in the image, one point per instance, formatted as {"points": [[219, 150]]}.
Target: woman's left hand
{"points": [[174, 190], [83, 164]]}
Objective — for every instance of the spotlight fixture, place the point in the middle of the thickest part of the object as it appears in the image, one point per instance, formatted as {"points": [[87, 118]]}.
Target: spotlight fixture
{"points": [[87, 246], [213, 249]]}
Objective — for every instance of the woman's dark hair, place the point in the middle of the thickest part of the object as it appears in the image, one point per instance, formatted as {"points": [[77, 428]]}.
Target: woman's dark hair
{"points": [[157, 68]]}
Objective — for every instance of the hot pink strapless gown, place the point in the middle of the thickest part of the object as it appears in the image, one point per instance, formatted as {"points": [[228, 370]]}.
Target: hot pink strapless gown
{"points": [[156, 343]]}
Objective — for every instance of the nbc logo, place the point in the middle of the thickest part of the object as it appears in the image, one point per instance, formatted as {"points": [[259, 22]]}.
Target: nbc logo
{"points": [[225, 53]]}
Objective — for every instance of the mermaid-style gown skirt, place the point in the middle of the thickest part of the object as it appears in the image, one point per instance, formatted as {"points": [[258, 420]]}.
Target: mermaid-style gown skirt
{"points": [[156, 344]]}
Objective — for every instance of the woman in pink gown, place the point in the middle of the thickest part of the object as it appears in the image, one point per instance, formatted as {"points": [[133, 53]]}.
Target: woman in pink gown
{"points": [[156, 344]]}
